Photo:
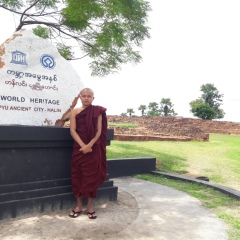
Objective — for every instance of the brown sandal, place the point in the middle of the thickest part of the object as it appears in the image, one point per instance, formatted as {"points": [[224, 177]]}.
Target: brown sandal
{"points": [[91, 217], [74, 214]]}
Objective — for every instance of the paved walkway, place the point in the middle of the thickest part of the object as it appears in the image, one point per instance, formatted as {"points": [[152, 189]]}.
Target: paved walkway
{"points": [[144, 211], [166, 213]]}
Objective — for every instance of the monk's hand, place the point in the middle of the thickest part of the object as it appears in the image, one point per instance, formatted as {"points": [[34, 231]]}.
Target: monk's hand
{"points": [[85, 149]]}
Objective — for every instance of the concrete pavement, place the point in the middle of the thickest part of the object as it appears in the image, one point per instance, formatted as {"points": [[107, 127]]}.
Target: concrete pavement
{"points": [[143, 211], [166, 213]]}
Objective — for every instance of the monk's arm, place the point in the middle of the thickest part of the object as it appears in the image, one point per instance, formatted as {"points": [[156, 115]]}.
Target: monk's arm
{"points": [[73, 128], [86, 148]]}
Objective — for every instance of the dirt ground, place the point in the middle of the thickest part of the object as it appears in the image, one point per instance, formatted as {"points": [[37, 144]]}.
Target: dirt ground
{"points": [[112, 218]]}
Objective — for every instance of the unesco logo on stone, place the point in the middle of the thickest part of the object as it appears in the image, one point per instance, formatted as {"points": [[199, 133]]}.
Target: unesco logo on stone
{"points": [[47, 61]]}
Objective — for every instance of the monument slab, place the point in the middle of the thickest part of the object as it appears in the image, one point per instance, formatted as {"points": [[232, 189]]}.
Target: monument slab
{"points": [[37, 85]]}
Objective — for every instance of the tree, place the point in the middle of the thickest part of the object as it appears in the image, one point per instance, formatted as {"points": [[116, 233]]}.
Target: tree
{"points": [[130, 111], [153, 109], [202, 110], [142, 108], [166, 107], [208, 106], [106, 31], [212, 96]]}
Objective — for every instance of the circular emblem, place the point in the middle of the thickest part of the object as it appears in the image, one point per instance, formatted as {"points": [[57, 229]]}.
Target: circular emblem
{"points": [[47, 61]]}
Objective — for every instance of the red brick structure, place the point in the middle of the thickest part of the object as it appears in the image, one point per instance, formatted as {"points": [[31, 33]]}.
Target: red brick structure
{"points": [[170, 128]]}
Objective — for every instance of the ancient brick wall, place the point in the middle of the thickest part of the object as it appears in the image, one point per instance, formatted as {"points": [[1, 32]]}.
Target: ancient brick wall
{"points": [[194, 129]]}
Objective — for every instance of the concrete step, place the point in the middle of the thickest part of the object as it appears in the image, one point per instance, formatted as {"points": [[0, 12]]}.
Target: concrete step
{"points": [[8, 188], [30, 197], [18, 207]]}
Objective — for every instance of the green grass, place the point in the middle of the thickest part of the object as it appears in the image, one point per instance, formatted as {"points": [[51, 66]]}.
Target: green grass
{"points": [[124, 125], [218, 159]]}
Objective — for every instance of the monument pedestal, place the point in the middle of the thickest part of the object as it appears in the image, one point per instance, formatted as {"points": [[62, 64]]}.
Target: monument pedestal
{"points": [[35, 170]]}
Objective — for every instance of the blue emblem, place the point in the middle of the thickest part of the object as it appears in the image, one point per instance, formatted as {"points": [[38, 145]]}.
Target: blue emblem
{"points": [[19, 58], [47, 61]]}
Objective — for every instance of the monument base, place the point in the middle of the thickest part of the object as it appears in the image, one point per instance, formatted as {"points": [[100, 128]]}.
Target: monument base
{"points": [[19, 199], [35, 170]]}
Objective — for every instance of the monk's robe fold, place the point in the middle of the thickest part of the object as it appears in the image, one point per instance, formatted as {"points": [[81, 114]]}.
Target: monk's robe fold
{"points": [[89, 170]]}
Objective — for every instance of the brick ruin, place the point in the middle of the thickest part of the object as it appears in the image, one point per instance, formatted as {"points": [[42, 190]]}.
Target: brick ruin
{"points": [[170, 128]]}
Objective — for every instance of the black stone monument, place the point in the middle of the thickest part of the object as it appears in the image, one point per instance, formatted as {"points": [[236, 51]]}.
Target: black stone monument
{"points": [[35, 170]]}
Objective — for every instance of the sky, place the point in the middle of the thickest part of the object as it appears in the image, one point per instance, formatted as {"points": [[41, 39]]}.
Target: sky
{"points": [[192, 43]]}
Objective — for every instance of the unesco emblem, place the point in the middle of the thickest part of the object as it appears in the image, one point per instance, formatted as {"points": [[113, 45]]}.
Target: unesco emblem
{"points": [[19, 58], [47, 61]]}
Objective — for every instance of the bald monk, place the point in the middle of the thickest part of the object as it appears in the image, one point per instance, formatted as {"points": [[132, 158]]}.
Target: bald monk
{"points": [[88, 127]]}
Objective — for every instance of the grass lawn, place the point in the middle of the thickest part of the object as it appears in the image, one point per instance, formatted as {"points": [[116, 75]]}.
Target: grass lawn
{"points": [[218, 159]]}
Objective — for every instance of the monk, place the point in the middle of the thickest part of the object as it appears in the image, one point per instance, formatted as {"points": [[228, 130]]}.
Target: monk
{"points": [[88, 127]]}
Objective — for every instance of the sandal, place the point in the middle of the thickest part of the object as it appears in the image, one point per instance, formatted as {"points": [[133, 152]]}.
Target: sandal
{"points": [[74, 214], [91, 217]]}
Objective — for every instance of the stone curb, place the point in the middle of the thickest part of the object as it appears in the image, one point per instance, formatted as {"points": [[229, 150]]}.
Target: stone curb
{"points": [[229, 191]]}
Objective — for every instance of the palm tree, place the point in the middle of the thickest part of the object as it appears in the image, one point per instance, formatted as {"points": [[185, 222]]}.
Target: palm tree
{"points": [[142, 108], [166, 107], [153, 109], [130, 111]]}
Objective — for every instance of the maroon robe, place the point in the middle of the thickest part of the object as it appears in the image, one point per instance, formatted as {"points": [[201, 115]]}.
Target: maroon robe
{"points": [[89, 170]]}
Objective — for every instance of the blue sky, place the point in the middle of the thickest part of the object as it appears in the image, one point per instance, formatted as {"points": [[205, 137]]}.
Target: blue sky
{"points": [[192, 43]]}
